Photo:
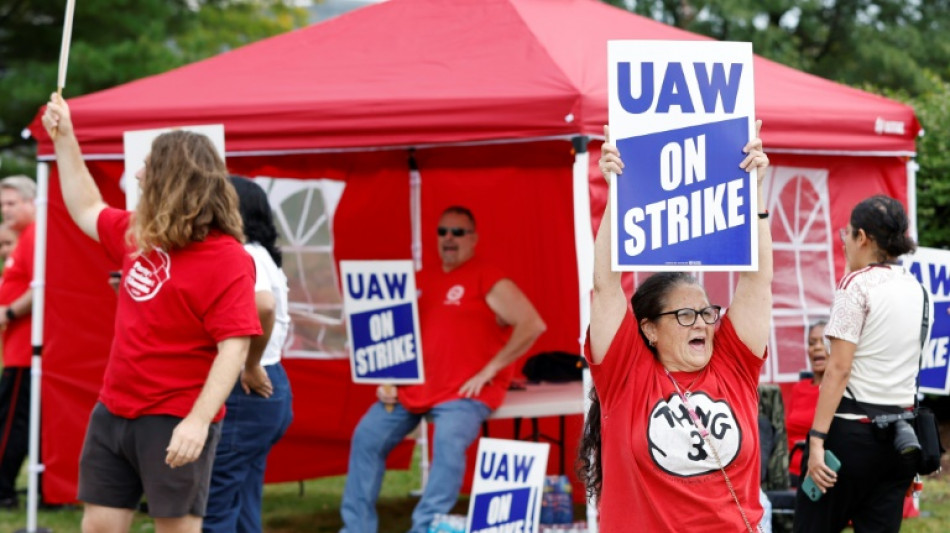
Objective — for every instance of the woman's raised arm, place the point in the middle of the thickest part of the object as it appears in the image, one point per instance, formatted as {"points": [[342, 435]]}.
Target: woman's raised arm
{"points": [[82, 197], [609, 303], [751, 308]]}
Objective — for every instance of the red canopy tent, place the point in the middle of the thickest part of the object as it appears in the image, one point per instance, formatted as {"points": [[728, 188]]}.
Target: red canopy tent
{"points": [[496, 101]]}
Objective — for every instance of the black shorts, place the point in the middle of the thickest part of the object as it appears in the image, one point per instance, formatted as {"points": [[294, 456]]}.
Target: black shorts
{"points": [[123, 458]]}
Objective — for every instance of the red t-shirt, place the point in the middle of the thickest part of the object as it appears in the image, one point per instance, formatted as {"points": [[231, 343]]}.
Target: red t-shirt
{"points": [[658, 474], [17, 276], [460, 335], [798, 420], [173, 310]]}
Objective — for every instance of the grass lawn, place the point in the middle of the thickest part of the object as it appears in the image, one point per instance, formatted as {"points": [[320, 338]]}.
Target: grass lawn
{"points": [[312, 507]]}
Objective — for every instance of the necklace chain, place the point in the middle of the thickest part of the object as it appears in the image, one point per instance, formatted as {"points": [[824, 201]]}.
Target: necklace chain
{"points": [[688, 391], [704, 433]]}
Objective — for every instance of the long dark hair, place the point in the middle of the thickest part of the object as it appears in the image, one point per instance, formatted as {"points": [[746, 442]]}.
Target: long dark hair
{"points": [[257, 216], [648, 302], [884, 221]]}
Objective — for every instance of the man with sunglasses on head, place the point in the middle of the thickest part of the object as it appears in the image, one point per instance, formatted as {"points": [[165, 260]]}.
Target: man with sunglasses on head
{"points": [[466, 309]]}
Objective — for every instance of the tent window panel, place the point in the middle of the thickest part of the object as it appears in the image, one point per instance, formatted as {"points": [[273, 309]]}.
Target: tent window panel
{"points": [[303, 214]]}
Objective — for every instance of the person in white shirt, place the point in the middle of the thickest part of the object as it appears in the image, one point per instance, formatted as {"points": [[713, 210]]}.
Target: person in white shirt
{"points": [[874, 329], [259, 408]]}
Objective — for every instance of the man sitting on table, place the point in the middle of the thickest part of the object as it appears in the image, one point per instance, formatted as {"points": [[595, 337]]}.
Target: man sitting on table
{"points": [[465, 308]]}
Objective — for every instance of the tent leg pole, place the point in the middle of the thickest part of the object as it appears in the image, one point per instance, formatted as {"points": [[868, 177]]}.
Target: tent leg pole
{"points": [[423, 444], [35, 467], [912, 168], [584, 250], [415, 210]]}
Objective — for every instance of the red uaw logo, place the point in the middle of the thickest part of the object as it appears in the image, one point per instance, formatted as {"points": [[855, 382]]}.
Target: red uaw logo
{"points": [[147, 275], [454, 295]]}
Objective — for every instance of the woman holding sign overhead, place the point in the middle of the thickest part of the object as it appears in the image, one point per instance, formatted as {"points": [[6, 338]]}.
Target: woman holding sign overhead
{"points": [[671, 441]]}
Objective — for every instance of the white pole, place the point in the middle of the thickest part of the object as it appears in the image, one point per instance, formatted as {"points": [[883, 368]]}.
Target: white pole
{"points": [[912, 168], [64, 46], [415, 213], [64, 51], [424, 465], [584, 249], [583, 234], [39, 286], [415, 210]]}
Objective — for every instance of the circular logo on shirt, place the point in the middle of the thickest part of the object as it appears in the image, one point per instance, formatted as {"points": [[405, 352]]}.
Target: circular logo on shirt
{"points": [[454, 295], [676, 444], [147, 275]]}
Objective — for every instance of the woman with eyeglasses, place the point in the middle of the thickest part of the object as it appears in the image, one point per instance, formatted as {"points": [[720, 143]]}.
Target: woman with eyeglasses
{"points": [[875, 332], [671, 441]]}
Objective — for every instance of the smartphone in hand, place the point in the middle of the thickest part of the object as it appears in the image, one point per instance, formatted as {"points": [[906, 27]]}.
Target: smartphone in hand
{"points": [[812, 490]]}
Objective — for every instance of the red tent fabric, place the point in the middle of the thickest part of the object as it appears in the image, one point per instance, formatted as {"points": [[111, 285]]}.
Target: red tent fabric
{"points": [[486, 93], [406, 72]]}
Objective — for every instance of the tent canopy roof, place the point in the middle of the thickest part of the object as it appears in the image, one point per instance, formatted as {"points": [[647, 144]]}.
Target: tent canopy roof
{"points": [[415, 72]]}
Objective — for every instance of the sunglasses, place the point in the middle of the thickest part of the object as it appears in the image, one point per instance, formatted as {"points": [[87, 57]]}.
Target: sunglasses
{"points": [[456, 232], [687, 317]]}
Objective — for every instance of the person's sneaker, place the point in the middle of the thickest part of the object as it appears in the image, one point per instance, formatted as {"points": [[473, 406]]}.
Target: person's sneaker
{"points": [[9, 503]]}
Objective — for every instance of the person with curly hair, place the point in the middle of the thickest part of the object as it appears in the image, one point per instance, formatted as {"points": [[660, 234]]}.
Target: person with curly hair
{"points": [[184, 322]]}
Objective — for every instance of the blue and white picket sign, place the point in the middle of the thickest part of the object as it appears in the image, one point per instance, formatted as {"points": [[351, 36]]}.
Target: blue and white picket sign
{"points": [[382, 321], [506, 490], [680, 113], [932, 269]]}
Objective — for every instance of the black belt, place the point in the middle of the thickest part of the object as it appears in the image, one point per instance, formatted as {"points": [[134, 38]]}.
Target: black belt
{"points": [[851, 407]]}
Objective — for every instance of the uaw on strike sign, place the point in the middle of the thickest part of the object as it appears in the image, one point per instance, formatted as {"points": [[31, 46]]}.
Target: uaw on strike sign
{"points": [[931, 267], [680, 114], [382, 321], [506, 489]]}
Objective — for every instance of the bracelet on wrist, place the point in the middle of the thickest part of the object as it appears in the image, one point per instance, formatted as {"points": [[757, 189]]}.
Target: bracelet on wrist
{"points": [[764, 214], [817, 434], [11, 316]]}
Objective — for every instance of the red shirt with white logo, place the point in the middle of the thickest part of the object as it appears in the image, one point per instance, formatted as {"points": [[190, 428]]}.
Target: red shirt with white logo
{"points": [[17, 276], [174, 308], [658, 473], [460, 335]]}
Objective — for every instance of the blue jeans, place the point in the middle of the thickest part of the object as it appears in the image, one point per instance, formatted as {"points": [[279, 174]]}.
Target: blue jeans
{"points": [[457, 423], [251, 426]]}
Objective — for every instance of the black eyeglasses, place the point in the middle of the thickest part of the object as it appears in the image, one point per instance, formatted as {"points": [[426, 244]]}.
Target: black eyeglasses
{"points": [[687, 317], [456, 232]]}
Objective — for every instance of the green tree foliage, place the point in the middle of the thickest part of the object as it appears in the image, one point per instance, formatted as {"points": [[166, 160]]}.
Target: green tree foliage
{"points": [[114, 41], [887, 43], [933, 156], [895, 47]]}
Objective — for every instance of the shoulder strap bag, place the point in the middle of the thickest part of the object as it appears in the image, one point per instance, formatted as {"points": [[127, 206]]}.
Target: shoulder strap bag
{"points": [[925, 423]]}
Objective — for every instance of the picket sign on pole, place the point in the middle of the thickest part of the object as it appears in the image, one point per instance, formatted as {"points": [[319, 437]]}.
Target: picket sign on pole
{"points": [[382, 321], [507, 487], [64, 51], [680, 113]]}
